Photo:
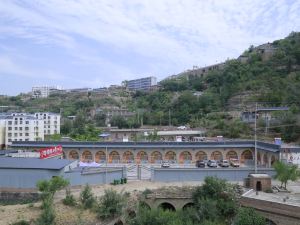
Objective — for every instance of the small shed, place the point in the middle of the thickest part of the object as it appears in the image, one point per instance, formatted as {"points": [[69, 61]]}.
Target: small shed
{"points": [[258, 181]]}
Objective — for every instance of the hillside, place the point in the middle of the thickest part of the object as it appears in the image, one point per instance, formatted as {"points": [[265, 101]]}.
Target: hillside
{"points": [[268, 74], [269, 78]]}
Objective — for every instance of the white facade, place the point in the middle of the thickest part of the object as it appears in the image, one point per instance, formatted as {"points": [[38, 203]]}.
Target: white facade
{"points": [[23, 127], [51, 122], [142, 84], [2, 131], [44, 91]]}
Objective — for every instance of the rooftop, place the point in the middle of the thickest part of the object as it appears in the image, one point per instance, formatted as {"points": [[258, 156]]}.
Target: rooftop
{"points": [[33, 163]]}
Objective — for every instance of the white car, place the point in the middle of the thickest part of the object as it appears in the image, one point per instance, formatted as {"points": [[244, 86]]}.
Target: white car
{"points": [[165, 164], [181, 128]]}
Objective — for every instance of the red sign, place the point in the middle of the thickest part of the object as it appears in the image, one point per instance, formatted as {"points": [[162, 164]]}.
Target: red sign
{"points": [[50, 152]]}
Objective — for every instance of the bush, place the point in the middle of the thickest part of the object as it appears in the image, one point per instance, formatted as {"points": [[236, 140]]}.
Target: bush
{"points": [[87, 198], [110, 204], [69, 199], [269, 190], [248, 216], [48, 215], [21, 222]]}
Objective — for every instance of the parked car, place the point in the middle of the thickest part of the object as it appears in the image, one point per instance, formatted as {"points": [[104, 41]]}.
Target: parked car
{"points": [[212, 163], [224, 163], [234, 162], [200, 163], [165, 164]]}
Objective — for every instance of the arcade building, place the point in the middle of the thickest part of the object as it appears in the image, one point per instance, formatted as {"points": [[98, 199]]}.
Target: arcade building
{"points": [[155, 152]]}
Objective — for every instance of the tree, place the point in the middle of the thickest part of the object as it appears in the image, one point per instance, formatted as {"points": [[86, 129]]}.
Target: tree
{"points": [[286, 172], [110, 204], [248, 216], [48, 189], [215, 200], [87, 198]]}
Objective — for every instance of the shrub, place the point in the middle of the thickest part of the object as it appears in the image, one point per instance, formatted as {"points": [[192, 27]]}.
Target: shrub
{"points": [[248, 216], [110, 204], [21, 222], [69, 199], [87, 198], [269, 190]]}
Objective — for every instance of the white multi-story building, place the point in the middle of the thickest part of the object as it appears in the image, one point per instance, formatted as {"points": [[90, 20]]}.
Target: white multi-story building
{"points": [[23, 127], [51, 122], [44, 91], [143, 84]]}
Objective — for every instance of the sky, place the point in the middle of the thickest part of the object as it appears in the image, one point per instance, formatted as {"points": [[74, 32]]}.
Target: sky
{"points": [[97, 43]]}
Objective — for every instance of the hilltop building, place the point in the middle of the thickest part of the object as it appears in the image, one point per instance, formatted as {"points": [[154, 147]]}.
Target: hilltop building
{"points": [[44, 91], [143, 84]]}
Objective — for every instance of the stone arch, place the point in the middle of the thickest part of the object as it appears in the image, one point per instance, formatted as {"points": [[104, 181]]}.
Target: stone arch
{"points": [[131, 213], [270, 222], [100, 157], [171, 156], [156, 157], [167, 206], [87, 156], [128, 157], [216, 155], [142, 157], [201, 155], [119, 222], [185, 157], [246, 155], [188, 205], [231, 155], [114, 157], [73, 155]]}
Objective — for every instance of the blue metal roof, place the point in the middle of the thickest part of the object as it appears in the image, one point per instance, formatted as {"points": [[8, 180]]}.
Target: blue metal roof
{"points": [[151, 145], [33, 163]]}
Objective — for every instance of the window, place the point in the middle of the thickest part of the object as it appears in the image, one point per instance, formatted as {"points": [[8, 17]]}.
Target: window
{"points": [[20, 128], [26, 139], [9, 134], [26, 134], [26, 128], [20, 134], [9, 122], [21, 122], [27, 122], [15, 139], [15, 134], [9, 140], [16, 128], [48, 126], [20, 139], [16, 122], [9, 128]]}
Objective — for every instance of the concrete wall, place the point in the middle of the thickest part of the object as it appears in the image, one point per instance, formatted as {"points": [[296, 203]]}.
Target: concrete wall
{"points": [[93, 177], [24, 178], [199, 174]]}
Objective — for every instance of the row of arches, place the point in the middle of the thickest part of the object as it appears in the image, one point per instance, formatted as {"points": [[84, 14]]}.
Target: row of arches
{"points": [[157, 156]]}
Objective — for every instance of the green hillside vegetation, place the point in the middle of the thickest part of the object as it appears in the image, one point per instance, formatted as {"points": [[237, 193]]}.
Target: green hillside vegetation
{"points": [[272, 82]]}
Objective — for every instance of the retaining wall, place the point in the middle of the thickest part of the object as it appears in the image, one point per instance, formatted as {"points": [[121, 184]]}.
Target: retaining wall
{"points": [[199, 174]]}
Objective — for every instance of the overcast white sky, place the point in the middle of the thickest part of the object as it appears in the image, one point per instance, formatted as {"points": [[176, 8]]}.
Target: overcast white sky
{"points": [[95, 43]]}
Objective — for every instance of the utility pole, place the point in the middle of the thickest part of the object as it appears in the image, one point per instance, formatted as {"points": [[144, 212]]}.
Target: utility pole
{"points": [[255, 140], [169, 117]]}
